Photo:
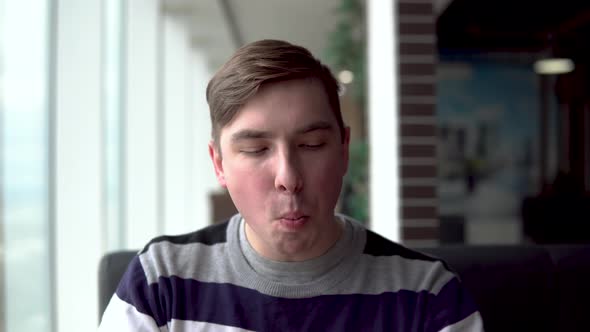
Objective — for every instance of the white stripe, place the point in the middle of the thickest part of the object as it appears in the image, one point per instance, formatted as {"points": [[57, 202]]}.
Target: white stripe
{"points": [[121, 316], [418, 275], [208, 263], [211, 264], [188, 325], [471, 323]]}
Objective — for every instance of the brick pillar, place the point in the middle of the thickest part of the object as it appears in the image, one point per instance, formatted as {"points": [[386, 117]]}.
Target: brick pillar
{"points": [[418, 162]]}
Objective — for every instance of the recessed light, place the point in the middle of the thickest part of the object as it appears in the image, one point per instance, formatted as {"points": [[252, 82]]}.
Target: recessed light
{"points": [[345, 77], [554, 66]]}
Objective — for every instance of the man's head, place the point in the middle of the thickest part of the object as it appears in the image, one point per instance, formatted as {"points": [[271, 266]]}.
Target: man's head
{"points": [[280, 147], [259, 63]]}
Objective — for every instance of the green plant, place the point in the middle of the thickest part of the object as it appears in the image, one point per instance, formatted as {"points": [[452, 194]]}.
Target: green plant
{"points": [[356, 190], [346, 50], [346, 47]]}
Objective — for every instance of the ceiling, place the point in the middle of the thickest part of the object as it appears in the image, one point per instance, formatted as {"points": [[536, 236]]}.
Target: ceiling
{"points": [[511, 26], [304, 22], [220, 26], [516, 26]]}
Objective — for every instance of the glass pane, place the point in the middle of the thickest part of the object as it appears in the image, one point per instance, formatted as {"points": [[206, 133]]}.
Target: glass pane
{"points": [[113, 97], [24, 163]]}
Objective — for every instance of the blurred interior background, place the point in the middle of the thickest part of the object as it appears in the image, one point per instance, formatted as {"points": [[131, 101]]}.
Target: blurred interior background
{"points": [[470, 125]]}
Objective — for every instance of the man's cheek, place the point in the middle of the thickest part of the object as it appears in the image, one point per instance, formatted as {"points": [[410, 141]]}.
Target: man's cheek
{"points": [[248, 188]]}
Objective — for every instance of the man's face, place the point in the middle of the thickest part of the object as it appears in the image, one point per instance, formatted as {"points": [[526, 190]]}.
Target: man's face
{"points": [[282, 161]]}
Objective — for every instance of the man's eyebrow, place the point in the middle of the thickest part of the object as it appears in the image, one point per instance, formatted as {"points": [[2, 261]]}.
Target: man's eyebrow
{"points": [[320, 125], [249, 134]]}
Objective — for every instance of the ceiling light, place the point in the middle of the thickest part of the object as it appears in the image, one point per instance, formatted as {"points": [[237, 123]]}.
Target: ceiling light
{"points": [[345, 77], [554, 66]]}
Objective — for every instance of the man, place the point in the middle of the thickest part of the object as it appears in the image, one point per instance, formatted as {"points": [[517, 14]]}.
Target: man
{"points": [[286, 262]]}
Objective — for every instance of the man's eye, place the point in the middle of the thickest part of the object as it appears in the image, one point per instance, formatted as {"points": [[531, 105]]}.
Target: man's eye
{"points": [[312, 146], [253, 152]]}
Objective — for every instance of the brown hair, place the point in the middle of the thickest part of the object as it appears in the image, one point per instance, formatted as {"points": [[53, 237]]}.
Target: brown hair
{"points": [[259, 63]]}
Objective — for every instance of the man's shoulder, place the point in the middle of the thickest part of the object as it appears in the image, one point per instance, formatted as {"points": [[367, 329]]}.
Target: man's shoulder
{"points": [[210, 235], [378, 246]]}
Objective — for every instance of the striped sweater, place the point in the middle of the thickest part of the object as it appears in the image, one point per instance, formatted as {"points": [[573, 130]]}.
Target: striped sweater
{"points": [[208, 281]]}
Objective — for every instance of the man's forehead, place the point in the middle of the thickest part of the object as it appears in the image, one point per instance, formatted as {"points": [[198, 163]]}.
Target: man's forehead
{"points": [[266, 117]]}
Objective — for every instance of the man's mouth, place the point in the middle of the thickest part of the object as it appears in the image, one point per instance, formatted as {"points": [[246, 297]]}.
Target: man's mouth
{"points": [[292, 216], [293, 221]]}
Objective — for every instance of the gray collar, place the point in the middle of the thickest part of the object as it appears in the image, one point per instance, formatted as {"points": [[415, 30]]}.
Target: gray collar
{"points": [[296, 273], [295, 279]]}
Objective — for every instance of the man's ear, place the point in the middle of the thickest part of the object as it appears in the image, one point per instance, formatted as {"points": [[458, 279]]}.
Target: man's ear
{"points": [[215, 155]]}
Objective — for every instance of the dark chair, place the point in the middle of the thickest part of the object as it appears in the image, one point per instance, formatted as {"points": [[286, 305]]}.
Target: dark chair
{"points": [[558, 219], [512, 285], [111, 268], [451, 229]]}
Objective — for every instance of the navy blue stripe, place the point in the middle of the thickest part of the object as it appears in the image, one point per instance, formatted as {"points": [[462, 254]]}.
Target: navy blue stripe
{"points": [[134, 290], [231, 305], [209, 235], [452, 304]]}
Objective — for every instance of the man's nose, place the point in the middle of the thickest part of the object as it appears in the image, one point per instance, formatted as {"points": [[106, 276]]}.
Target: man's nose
{"points": [[288, 177]]}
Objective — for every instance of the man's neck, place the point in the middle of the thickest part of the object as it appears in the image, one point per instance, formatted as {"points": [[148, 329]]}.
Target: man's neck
{"points": [[266, 250]]}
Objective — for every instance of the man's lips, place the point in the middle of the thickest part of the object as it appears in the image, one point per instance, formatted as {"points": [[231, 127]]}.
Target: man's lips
{"points": [[293, 221], [293, 216]]}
